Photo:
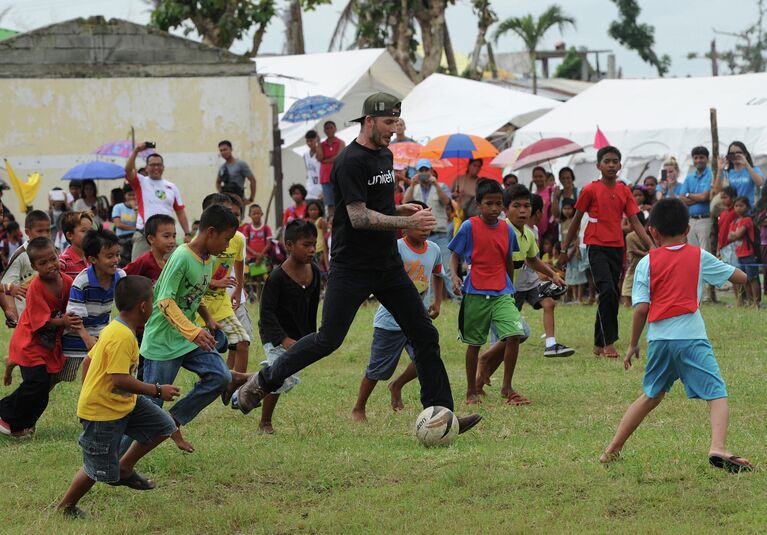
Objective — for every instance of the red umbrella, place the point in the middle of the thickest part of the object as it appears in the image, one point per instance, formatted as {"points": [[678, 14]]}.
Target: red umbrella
{"points": [[408, 153], [546, 149]]}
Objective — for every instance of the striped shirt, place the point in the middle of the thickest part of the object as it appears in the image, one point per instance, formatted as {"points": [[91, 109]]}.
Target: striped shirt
{"points": [[93, 303]]}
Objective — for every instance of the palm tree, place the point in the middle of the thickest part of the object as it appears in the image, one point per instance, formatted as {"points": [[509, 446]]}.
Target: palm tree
{"points": [[531, 31]]}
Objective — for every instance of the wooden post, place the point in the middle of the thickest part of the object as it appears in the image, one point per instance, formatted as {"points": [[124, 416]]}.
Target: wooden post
{"points": [[714, 143]]}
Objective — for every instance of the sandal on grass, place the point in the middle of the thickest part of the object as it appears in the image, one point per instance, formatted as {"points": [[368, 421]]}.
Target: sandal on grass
{"points": [[135, 481], [517, 399], [732, 464]]}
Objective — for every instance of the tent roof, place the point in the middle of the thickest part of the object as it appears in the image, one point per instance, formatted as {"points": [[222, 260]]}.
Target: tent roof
{"points": [[348, 76], [652, 119]]}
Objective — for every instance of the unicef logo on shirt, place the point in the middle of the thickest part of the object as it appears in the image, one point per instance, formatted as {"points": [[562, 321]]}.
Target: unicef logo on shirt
{"points": [[383, 178]]}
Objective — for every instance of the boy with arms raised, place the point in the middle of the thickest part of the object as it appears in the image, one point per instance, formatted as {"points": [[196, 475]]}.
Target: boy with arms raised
{"points": [[110, 407], [668, 288], [423, 264], [606, 201], [488, 245]]}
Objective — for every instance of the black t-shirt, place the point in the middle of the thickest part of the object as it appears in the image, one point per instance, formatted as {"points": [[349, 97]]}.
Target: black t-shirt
{"points": [[287, 309], [362, 174]]}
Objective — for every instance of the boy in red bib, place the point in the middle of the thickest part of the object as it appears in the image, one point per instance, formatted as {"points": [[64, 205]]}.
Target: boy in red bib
{"points": [[668, 287], [606, 201], [487, 245]]}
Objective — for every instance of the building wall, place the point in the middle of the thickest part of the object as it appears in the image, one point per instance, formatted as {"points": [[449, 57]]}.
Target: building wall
{"points": [[51, 125]]}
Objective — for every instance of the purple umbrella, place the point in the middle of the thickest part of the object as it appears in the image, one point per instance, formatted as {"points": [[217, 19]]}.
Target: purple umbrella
{"points": [[121, 148]]}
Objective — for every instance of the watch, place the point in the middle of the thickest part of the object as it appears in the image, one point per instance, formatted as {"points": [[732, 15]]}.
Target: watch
{"points": [[158, 395]]}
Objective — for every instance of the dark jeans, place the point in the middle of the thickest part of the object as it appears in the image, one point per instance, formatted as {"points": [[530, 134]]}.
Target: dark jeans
{"points": [[606, 264], [346, 291], [22, 408]]}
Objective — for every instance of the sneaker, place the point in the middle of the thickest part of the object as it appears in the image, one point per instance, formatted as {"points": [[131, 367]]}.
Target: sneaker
{"points": [[249, 395], [467, 422], [558, 350], [5, 428]]}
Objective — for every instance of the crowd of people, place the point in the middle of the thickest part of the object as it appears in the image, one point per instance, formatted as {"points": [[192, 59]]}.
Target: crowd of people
{"points": [[358, 227]]}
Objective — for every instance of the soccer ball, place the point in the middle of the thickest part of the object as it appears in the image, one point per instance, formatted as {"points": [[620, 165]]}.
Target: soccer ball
{"points": [[436, 426]]}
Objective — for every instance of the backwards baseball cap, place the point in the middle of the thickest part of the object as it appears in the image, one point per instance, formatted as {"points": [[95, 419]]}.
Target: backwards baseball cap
{"points": [[379, 105]]}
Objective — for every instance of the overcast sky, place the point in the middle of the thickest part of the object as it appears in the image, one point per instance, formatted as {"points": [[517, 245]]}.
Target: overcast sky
{"points": [[681, 26]]}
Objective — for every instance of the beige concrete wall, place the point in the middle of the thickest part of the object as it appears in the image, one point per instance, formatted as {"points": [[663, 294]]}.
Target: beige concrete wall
{"points": [[50, 125]]}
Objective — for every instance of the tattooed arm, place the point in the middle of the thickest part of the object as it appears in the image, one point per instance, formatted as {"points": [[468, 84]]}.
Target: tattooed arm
{"points": [[362, 217]]}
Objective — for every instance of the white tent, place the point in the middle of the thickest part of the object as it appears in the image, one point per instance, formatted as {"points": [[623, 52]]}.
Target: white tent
{"points": [[649, 120]]}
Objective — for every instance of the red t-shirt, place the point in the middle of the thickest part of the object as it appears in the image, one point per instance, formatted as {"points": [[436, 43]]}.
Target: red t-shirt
{"points": [[329, 149], [256, 238], [606, 206], [745, 246], [71, 263], [33, 343], [725, 220], [146, 266], [292, 213]]}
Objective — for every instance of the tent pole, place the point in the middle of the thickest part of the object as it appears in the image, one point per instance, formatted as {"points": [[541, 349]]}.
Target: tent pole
{"points": [[714, 142]]}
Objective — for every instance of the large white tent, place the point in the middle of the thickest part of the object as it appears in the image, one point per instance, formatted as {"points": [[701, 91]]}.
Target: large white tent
{"points": [[649, 120]]}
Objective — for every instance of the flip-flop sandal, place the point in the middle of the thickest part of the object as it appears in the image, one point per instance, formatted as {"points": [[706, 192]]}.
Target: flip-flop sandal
{"points": [[517, 399], [732, 464], [612, 356], [135, 481]]}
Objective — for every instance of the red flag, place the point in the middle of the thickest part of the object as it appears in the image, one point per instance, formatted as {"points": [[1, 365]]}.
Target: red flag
{"points": [[600, 140]]}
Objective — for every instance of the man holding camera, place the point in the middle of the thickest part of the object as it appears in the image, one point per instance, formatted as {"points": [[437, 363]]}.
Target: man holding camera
{"points": [[154, 195]]}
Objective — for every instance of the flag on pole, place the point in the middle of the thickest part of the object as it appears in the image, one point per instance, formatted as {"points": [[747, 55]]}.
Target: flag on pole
{"points": [[25, 191], [600, 141]]}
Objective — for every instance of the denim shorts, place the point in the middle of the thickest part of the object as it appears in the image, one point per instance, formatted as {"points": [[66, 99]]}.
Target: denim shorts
{"points": [[691, 361], [272, 353], [385, 352], [327, 195], [100, 441], [748, 265]]}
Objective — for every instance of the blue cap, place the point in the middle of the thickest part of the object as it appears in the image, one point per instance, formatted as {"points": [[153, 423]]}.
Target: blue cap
{"points": [[423, 162]]}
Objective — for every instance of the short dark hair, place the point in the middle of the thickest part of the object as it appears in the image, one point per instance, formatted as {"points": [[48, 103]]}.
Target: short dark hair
{"points": [[731, 192], [297, 187], [515, 192], [96, 240], [566, 170], [38, 244], [650, 177], [311, 134], [225, 142], [127, 188], [329, 122], [699, 151], [300, 228], [70, 220], [601, 153], [741, 199], [12, 226], [36, 216], [130, 291], [118, 195], [215, 198], [255, 205], [218, 217], [538, 168], [155, 155], [669, 217], [472, 160], [319, 204], [536, 203], [153, 223], [569, 202], [486, 186]]}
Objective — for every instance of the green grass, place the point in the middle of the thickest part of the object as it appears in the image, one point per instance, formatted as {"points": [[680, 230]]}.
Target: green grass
{"points": [[523, 470]]}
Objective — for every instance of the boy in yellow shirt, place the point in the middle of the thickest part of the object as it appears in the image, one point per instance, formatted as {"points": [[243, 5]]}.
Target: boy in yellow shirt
{"points": [[109, 406]]}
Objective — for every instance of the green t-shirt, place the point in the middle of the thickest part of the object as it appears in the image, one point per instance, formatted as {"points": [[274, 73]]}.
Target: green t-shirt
{"points": [[528, 248], [185, 278]]}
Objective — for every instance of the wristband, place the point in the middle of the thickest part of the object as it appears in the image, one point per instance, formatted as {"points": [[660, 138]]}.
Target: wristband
{"points": [[158, 395]]}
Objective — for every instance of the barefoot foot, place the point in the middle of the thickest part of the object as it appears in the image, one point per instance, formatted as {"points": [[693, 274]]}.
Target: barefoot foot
{"points": [[473, 399], [182, 444], [265, 428], [396, 397], [358, 415], [609, 456]]}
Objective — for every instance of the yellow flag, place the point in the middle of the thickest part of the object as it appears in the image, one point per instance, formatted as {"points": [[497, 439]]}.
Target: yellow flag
{"points": [[25, 191]]}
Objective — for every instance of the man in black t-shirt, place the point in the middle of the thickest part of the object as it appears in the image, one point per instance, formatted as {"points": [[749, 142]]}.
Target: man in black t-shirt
{"points": [[365, 260]]}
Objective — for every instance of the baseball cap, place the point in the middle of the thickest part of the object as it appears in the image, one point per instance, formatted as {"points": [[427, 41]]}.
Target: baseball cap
{"points": [[379, 105], [423, 162]]}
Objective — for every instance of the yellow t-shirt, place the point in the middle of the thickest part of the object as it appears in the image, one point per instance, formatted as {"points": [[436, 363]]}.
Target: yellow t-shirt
{"points": [[116, 352], [217, 301]]}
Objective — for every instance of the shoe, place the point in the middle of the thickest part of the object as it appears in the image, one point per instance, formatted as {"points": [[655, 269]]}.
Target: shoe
{"points": [[558, 350], [5, 428], [467, 422], [249, 395]]}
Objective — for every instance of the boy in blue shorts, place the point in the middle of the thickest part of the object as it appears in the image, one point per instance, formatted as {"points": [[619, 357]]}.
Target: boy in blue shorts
{"points": [[487, 245], [423, 264], [668, 287], [109, 404]]}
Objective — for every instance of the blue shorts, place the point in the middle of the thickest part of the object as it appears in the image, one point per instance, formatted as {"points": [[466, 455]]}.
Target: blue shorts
{"points": [[100, 441], [748, 265], [327, 195], [385, 351], [691, 361]]}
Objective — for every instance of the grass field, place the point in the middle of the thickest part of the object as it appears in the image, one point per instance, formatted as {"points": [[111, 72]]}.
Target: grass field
{"points": [[527, 469]]}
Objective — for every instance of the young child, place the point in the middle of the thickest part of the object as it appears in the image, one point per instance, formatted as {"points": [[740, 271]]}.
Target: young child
{"points": [[36, 342], [110, 407], [238, 302], [288, 309], [487, 244], [606, 200], [668, 287], [257, 234], [124, 219], [742, 234], [315, 214], [575, 270], [423, 263], [171, 339], [195, 227], [12, 241], [298, 210], [726, 250], [635, 251], [74, 225]]}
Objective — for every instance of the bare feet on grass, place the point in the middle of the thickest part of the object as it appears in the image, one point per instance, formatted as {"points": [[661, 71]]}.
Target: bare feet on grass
{"points": [[182, 444], [396, 397], [358, 415], [609, 456], [265, 428], [472, 398]]}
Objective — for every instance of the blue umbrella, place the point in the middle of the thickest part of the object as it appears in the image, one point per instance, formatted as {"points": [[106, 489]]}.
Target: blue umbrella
{"points": [[312, 109], [95, 170]]}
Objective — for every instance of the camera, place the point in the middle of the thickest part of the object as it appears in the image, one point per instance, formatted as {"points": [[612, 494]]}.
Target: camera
{"points": [[150, 144], [663, 174], [731, 158]]}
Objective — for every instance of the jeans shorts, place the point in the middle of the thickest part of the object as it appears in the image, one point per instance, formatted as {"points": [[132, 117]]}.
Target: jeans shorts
{"points": [[691, 361], [327, 195], [748, 265], [385, 352], [272, 353], [100, 441]]}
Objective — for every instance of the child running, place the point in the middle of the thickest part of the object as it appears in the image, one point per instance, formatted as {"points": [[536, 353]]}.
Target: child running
{"points": [[423, 263], [36, 342], [668, 287], [288, 308], [109, 404], [488, 245], [74, 225], [605, 200]]}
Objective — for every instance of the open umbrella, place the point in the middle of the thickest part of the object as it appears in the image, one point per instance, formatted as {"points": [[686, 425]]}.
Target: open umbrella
{"points": [[506, 157], [546, 149], [311, 109], [95, 171], [459, 146], [121, 148], [408, 153]]}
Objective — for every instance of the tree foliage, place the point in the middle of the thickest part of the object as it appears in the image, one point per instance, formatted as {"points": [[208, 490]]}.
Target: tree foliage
{"points": [[570, 67], [637, 36], [486, 17]]}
